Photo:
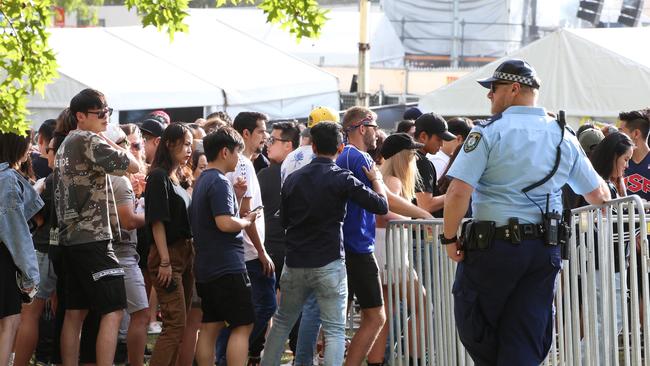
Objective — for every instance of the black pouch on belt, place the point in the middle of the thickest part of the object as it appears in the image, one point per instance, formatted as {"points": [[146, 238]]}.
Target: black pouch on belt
{"points": [[479, 235]]}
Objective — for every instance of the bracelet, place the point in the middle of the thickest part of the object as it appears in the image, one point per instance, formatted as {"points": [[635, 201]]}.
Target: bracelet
{"points": [[164, 264]]}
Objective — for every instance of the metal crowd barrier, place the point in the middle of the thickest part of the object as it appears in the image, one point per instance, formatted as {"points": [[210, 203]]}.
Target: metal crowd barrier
{"points": [[420, 277], [595, 323]]}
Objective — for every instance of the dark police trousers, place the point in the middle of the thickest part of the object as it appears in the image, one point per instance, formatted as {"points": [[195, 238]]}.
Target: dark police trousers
{"points": [[503, 302]]}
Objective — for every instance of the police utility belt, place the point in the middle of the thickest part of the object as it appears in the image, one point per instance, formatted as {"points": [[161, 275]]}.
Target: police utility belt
{"points": [[478, 235]]}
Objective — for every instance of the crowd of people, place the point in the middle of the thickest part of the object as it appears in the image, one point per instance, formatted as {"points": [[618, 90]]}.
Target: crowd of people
{"points": [[237, 234]]}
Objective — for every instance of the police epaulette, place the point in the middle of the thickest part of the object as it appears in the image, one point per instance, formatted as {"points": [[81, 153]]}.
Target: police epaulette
{"points": [[486, 122]]}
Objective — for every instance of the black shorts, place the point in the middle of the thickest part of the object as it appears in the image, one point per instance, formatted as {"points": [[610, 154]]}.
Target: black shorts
{"points": [[94, 278], [227, 299], [363, 279], [10, 299]]}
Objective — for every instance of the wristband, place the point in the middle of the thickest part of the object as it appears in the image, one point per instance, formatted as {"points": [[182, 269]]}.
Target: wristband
{"points": [[164, 265], [445, 241]]}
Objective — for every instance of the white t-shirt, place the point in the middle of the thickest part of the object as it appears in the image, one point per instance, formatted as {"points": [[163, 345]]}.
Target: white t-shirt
{"points": [[245, 169], [296, 160], [440, 161]]}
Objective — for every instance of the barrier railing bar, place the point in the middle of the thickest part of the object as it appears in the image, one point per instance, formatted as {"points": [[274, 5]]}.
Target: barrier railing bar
{"points": [[431, 309]]}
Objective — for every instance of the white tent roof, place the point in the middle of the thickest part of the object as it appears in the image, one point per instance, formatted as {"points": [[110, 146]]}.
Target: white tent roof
{"points": [[337, 45], [587, 72], [212, 66], [130, 77]]}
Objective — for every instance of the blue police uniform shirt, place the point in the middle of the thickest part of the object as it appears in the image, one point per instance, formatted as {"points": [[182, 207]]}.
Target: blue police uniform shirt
{"points": [[359, 224], [514, 150], [637, 178]]}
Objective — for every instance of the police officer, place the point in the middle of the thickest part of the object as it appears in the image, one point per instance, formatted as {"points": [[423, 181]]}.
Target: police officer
{"points": [[505, 279]]}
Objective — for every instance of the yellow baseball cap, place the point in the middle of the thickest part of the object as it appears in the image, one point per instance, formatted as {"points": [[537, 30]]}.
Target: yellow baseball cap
{"points": [[321, 114]]}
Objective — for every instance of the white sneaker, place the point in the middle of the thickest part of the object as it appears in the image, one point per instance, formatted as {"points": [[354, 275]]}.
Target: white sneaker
{"points": [[154, 328]]}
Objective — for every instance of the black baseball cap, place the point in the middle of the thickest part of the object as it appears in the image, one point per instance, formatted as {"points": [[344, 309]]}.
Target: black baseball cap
{"points": [[514, 70], [398, 142], [152, 127], [433, 124]]}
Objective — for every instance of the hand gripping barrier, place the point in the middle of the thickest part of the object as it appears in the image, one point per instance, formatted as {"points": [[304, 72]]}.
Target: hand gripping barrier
{"points": [[602, 302]]}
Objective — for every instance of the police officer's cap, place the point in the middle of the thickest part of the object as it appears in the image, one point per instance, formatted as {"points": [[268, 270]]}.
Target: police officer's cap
{"points": [[518, 71]]}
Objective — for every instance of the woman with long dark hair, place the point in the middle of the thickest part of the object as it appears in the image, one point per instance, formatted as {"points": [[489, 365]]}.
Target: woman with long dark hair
{"points": [[19, 202], [610, 158], [170, 259]]}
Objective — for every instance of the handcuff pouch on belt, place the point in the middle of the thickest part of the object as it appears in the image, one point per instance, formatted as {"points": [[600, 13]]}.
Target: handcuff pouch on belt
{"points": [[478, 235]]}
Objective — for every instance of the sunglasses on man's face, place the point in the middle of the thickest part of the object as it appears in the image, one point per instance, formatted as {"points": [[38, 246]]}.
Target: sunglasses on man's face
{"points": [[101, 114], [271, 140], [493, 86]]}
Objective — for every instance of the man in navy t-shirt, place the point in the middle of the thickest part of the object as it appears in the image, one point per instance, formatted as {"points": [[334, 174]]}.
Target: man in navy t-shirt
{"points": [[221, 278], [312, 211], [636, 125]]}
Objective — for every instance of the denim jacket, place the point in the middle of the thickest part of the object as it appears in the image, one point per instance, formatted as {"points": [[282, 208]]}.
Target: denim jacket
{"points": [[19, 202]]}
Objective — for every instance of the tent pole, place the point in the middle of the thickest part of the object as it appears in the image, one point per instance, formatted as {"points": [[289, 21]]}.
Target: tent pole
{"points": [[454, 34], [364, 60]]}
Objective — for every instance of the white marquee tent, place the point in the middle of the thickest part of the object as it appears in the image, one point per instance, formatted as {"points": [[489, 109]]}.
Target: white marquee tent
{"points": [[337, 45], [587, 72], [213, 66]]}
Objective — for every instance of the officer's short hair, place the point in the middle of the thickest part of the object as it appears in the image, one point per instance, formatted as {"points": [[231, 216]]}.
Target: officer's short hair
{"points": [[327, 137], [637, 120], [215, 141]]}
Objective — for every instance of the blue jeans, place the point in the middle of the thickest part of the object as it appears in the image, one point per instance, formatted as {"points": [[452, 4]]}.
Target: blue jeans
{"points": [[264, 303], [330, 286], [308, 332]]}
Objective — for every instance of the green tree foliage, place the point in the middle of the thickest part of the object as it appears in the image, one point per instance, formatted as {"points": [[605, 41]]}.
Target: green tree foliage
{"points": [[28, 64]]}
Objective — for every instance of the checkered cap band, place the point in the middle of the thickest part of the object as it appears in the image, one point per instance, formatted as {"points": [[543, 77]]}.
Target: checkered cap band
{"points": [[515, 78]]}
